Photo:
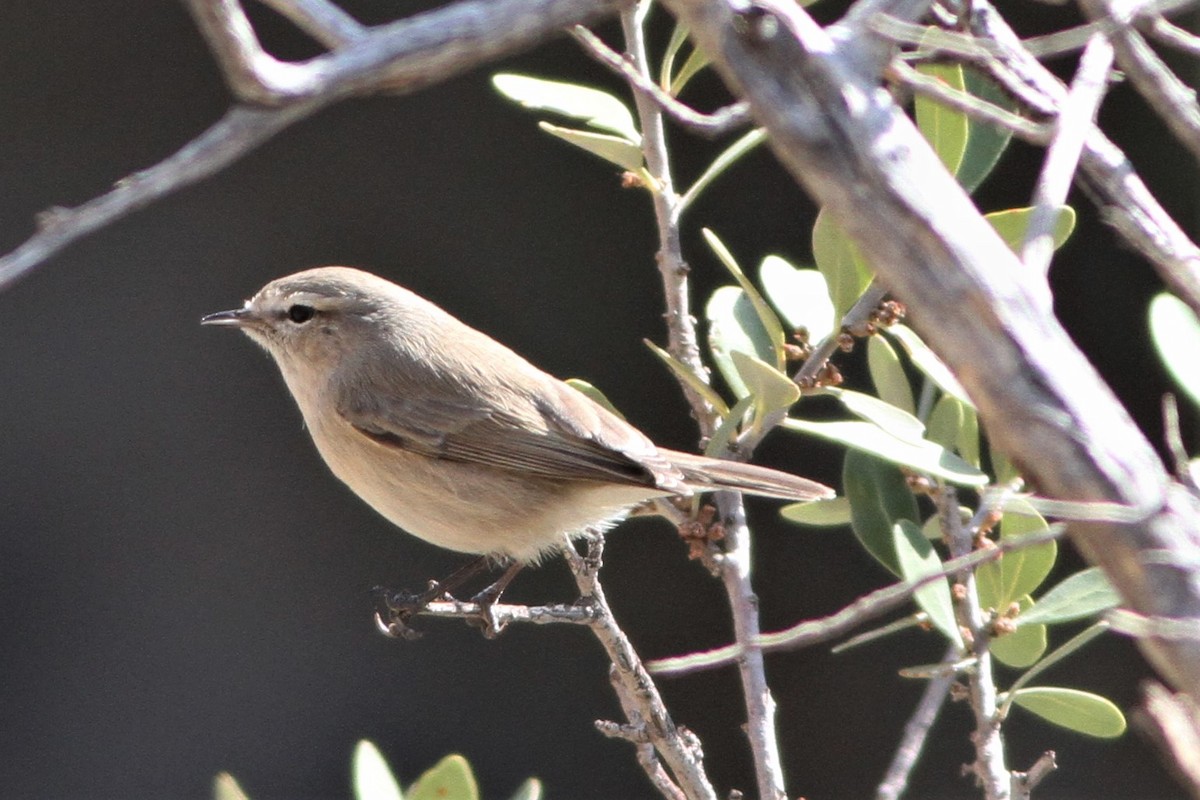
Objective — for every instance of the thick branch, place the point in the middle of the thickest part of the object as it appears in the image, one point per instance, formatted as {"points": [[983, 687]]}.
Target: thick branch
{"points": [[863, 160]]}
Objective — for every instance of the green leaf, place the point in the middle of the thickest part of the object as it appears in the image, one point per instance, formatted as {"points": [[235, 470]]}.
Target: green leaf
{"points": [[944, 127], [819, 513], [728, 157], [1004, 470], [449, 779], [531, 789], [1013, 223], [766, 315], [888, 375], [845, 271], [690, 378], [727, 432], [1022, 647], [225, 787], [879, 498], [1021, 571], [801, 295], [594, 107], [1176, 334], [869, 438], [928, 362], [945, 421], [773, 392], [968, 434], [985, 143], [917, 560], [696, 61], [372, 778], [679, 36], [613, 149], [1084, 594], [895, 421], [734, 325], [1082, 712]]}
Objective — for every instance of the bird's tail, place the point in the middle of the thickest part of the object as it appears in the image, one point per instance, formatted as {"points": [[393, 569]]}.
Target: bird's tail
{"points": [[711, 474]]}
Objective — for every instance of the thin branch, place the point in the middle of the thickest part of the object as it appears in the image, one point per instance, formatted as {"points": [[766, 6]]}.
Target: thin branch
{"points": [[1023, 783], [637, 734], [1173, 101], [1076, 117], [916, 732], [867, 607], [1172, 35], [675, 746], [714, 125], [858, 315], [498, 616], [415, 52]]}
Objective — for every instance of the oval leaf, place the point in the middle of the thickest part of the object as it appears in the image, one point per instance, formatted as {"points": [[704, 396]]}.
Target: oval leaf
{"points": [[1014, 222], [945, 421], [529, 790], [1176, 334], [690, 379], [845, 271], [1084, 594], [371, 776], [734, 326], [770, 322], [879, 498], [613, 149], [819, 513], [942, 126], [595, 395], [801, 295], [900, 424], [1021, 571], [594, 107], [985, 143], [1024, 646], [773, 391], [891, 384], [1078, 711], [917, 559], [928, 362], [921, 456], [449, 779]]}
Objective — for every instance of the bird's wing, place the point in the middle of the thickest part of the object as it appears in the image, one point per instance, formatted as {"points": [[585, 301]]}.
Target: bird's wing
{"points": [[543, 428]]}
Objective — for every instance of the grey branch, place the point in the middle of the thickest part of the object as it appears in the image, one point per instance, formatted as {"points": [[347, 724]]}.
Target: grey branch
{"points": [[1172, 721], [916, 732], [398, 57], [862, 159]]}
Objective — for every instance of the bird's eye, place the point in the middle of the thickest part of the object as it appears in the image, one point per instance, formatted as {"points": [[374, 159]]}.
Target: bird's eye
{"points": [[300, 314]]}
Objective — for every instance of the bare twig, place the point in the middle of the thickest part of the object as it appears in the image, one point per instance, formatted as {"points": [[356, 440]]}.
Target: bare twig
{"points": [[499, 615], [676, 748], [1173, 101], [1076, 118], [1023, 783], [867, 607], [989, 768], [636, 733], [916, 732], [1172, 35], [714, 125]]}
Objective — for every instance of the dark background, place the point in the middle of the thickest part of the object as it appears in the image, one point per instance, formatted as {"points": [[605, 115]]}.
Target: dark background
{"points": [[185, 589]]}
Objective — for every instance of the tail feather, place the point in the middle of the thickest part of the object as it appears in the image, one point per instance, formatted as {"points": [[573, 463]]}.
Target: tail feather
{"points": [[711, 474]]}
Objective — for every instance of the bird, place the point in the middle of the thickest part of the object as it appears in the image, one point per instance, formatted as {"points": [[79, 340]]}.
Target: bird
{"points": [[455, 438]]}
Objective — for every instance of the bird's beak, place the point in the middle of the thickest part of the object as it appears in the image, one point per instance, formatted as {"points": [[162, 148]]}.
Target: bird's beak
{"points": [[237, 318]]}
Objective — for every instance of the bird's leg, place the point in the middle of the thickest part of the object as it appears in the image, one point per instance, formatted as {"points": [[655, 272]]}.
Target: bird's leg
{"points": [[402, 606], [488, 597]]}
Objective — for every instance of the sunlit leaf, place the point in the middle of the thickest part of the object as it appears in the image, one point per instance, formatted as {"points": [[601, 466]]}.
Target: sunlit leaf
{"points": [[727, 431], [918, 559], [819, 513], [945, 421], [924, 456], [766, 315], [1022, 570], [879, 498], [895, 421], [734, 325], [945, 128], [225, 787], [928, 362], [727, 158], [596, 108], [773, 391], [679, 36], [690, 378], [695, 62], [371, 776], [1176, 334], [614, 149], [1075, 710], [845, 271], [1084, 594], [888, 375], [1022, 647], [531, 789], [1013, 223], [800, 295], [449, 779]]}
